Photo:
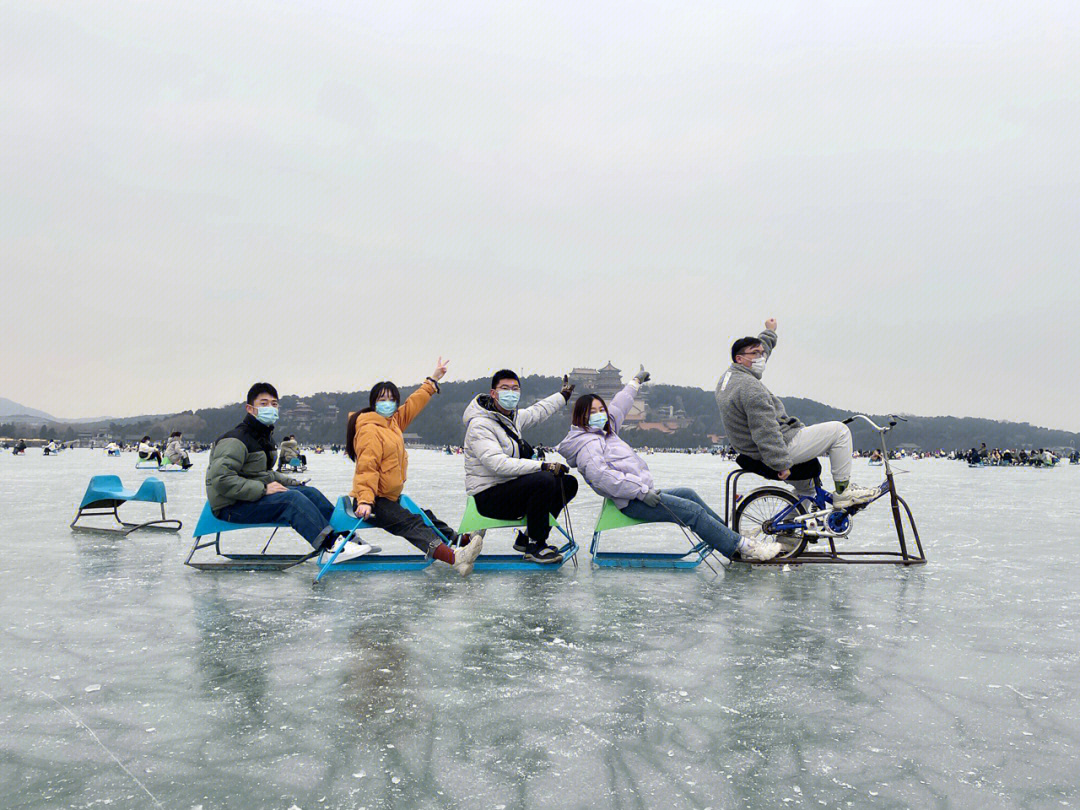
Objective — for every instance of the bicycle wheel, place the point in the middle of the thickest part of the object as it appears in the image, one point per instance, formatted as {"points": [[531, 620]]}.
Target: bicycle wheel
{"points": [[755, 512]]}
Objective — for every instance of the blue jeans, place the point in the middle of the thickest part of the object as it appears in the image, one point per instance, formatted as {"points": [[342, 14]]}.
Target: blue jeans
{"points": [[304, 508], [683, 504]]}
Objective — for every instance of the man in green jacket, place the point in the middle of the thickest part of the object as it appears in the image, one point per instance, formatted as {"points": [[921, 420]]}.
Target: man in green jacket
{"points": [[242, 487]]}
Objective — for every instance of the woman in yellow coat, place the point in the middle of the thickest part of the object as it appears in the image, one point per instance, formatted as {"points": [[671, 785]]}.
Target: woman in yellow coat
{"points": [[373, 439]]}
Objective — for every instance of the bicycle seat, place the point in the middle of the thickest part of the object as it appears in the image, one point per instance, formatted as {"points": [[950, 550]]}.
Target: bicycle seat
{"points": [[799, 472]]}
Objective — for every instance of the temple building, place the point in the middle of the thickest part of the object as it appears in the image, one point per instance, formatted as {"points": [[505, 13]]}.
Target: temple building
{"points": [[607, 382], [301, 416]]}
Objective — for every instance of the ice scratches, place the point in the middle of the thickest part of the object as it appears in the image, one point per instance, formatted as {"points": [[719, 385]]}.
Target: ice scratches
{"points": [[79, 721]]}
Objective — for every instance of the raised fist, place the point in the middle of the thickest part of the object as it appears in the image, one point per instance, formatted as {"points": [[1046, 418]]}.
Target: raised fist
{"points": [[567, 389]]}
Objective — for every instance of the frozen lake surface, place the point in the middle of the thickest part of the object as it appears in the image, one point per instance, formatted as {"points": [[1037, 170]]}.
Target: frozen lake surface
{"points": [[131, 680]]}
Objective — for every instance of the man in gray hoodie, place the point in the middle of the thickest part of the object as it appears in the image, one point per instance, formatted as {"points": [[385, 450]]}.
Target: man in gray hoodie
{"points": [[758, 425], [501, 472]]}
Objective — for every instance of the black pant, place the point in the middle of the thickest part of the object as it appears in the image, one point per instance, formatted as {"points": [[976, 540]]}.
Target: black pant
{"points": [[153, 455], [391, 516], [537, 496]]}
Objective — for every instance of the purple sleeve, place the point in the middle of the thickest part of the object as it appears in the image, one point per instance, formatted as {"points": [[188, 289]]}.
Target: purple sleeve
{"points": [[620, 405]]}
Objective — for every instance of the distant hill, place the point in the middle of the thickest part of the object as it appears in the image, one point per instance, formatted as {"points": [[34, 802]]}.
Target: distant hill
{"points": [[14, 413], [320, 418], [11, 411]]}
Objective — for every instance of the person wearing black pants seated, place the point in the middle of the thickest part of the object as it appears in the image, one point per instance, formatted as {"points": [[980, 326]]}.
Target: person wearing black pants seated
{"points": [[501, 471], [147, 451], [175, 452], [374, 441]]}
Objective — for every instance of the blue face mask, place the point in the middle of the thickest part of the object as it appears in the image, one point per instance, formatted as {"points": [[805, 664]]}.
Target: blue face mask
{"points": [[267, 414], [509, 399], [385, 407], [598, 420]]}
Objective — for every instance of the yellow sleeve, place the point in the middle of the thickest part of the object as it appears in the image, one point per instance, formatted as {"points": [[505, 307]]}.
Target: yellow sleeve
{"points": [[414, 404]]}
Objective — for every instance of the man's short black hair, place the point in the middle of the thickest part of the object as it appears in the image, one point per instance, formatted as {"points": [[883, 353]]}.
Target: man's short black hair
{"points": [[504, 374], [742, 344], [261, 388]]}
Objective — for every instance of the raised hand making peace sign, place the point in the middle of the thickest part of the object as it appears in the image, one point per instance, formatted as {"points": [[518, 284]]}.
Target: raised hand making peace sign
{"points": [[440, 369]]}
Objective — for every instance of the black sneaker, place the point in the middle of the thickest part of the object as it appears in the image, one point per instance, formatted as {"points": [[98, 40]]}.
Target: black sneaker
{"points": [[521, 543], [546, 555]]}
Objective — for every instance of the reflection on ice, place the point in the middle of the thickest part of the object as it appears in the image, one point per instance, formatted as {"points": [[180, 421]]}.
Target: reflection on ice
{"points": [[814, 686]]}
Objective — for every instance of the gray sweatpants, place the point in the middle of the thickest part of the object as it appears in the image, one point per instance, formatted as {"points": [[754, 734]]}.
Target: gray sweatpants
{"points": [[832, 439]]}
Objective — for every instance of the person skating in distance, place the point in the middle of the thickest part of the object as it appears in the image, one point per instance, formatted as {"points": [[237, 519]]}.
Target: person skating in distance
{"points": [[757, 424], [501, 472], [288, 453], [612, 468], [147, 451], [175, 452]]}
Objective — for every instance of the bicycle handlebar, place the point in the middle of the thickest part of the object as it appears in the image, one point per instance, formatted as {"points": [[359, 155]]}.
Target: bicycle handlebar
{"points": [[893, 419]]}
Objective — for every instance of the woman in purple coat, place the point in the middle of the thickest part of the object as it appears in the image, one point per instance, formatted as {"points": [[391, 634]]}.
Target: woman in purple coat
{"points": [[612, 468]]}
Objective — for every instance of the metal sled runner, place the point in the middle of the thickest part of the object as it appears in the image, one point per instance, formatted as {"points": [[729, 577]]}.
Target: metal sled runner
{"points": [[146, 466], [796, 522], [611, 518], [105, 494], [209, 525]]}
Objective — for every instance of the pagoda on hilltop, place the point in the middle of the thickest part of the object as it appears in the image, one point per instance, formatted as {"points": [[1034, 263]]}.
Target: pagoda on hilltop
{"points": [[610, 381], [607, 382], [301, 416]]}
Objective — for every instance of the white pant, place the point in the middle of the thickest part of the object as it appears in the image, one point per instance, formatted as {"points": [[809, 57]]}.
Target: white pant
{"points": [[832, 439]]}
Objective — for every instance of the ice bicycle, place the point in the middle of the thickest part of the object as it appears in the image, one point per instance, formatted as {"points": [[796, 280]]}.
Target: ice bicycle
{"points": [[796, 522]]}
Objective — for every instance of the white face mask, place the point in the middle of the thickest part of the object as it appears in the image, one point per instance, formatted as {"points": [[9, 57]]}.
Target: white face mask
{"points": [[509, 399], [758, 365], [267, 414]]}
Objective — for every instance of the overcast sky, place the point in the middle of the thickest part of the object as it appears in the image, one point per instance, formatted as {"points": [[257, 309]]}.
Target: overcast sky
{"points": [[325, 194]]}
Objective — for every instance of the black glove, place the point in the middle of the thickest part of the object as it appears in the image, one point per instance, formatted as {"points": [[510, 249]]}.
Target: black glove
{"points": [[555, 467], [642, 376], [651, 498], [567, 389]]}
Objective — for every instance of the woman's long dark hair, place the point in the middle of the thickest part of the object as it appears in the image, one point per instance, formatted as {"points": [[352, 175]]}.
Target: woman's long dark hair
{"points": [[350, 433], [377, 390], [583, 407]]}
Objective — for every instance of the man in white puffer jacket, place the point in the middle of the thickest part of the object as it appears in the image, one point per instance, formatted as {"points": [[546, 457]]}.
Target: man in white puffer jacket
{"points": [[500, 471]]}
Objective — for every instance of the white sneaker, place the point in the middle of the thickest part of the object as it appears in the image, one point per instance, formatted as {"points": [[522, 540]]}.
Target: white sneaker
{"points": [[853, 496], [353, 550], [760, 550], [465, 556]]}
